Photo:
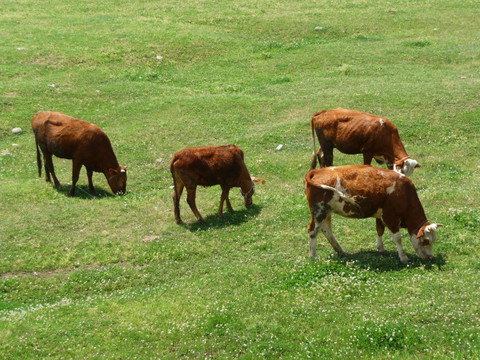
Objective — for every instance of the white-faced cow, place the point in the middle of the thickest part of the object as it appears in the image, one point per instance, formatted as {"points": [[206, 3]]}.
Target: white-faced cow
{"points": [[85, 143], [362, 191], [208, 166], [355, 132]]}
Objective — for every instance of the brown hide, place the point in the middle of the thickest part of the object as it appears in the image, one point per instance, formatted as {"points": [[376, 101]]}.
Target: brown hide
{"points": [[355, 132], [85, 143], [362, 191], [208, 166]]}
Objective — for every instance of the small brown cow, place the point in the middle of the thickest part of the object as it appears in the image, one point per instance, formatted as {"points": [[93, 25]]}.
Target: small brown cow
{"points": [[207, 166], [362, 191], [355, 132], [85, 143]]}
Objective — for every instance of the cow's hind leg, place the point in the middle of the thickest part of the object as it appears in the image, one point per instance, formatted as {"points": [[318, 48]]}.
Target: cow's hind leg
{"points": [[380, 231], [191, 193], [322, 220], [224, 197], [76, 166], [177, 193], [49, 169], [326, 227], [326, 153]]}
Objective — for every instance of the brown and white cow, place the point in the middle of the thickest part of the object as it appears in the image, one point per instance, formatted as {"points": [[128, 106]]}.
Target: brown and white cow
{"points": [[355, 132], [85, 143], [208, 166], [362, 191]]}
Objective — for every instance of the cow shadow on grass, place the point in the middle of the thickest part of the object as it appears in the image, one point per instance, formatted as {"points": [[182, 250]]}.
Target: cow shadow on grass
{"points": [[229, 218], [82, 192], [388, 261]]}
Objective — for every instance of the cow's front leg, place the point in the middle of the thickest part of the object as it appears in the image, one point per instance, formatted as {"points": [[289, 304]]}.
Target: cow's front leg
{"points": [[76, 166], [380, 232], [326, 227], [397, 238], [191, 193]]}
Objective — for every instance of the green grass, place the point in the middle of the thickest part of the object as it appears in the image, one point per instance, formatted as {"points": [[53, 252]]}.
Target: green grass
{"points": [[116, 277]]}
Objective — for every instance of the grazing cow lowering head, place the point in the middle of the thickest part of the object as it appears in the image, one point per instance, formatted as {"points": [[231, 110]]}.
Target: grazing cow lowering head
{"points": [[362, 191], [208, 166], [355, 132], [85, 143]]}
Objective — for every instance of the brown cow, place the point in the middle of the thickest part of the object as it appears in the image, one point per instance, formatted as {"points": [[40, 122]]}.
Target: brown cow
{"points": [[85, 143], [355, 132], [362, 191], [207, 166]]}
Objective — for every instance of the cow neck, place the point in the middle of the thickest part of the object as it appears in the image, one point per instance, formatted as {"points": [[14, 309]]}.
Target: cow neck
{"points": [[400, 154], [416, 219], [245, 183], [109, 161]]}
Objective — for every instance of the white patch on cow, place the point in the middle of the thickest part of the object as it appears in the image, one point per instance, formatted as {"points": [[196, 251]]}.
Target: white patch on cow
{"points": [[381, 122], [380, 246], [332, 168], [397, 239], [391, 188]]}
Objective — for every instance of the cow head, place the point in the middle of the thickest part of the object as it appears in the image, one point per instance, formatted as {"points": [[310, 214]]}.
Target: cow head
{"points": [[117, 180], [406, 166], [247, 189], [424, 240]]}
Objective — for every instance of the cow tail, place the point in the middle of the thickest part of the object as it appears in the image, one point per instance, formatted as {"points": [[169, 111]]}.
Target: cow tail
{"points": [[39, 158], [352, 201], [313, 165]]}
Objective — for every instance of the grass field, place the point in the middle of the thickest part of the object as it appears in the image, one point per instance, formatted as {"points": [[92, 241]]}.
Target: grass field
{"points": [[116, 277]]}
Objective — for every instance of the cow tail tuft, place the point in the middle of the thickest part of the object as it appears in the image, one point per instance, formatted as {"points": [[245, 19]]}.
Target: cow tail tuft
{"points": [[39, 159]]}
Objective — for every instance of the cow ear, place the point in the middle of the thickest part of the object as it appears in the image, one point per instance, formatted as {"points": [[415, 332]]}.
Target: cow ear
{"points": [[421, 232], [112, 171], [258, 180]]}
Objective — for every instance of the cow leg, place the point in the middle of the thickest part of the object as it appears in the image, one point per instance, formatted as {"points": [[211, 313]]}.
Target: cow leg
{"points": [[90, 182], [326, 227], [326, 158], [191, 192], [367, 159], [76, 166], [49, 169], [397, 239], [317, 156], [178, 189], [313, 230], [223, 197], [380, 231]]}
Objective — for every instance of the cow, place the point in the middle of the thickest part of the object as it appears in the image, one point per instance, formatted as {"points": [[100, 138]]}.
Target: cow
{"points": [[355, 132], [362, 191], [208, 166], [85, 143]]}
